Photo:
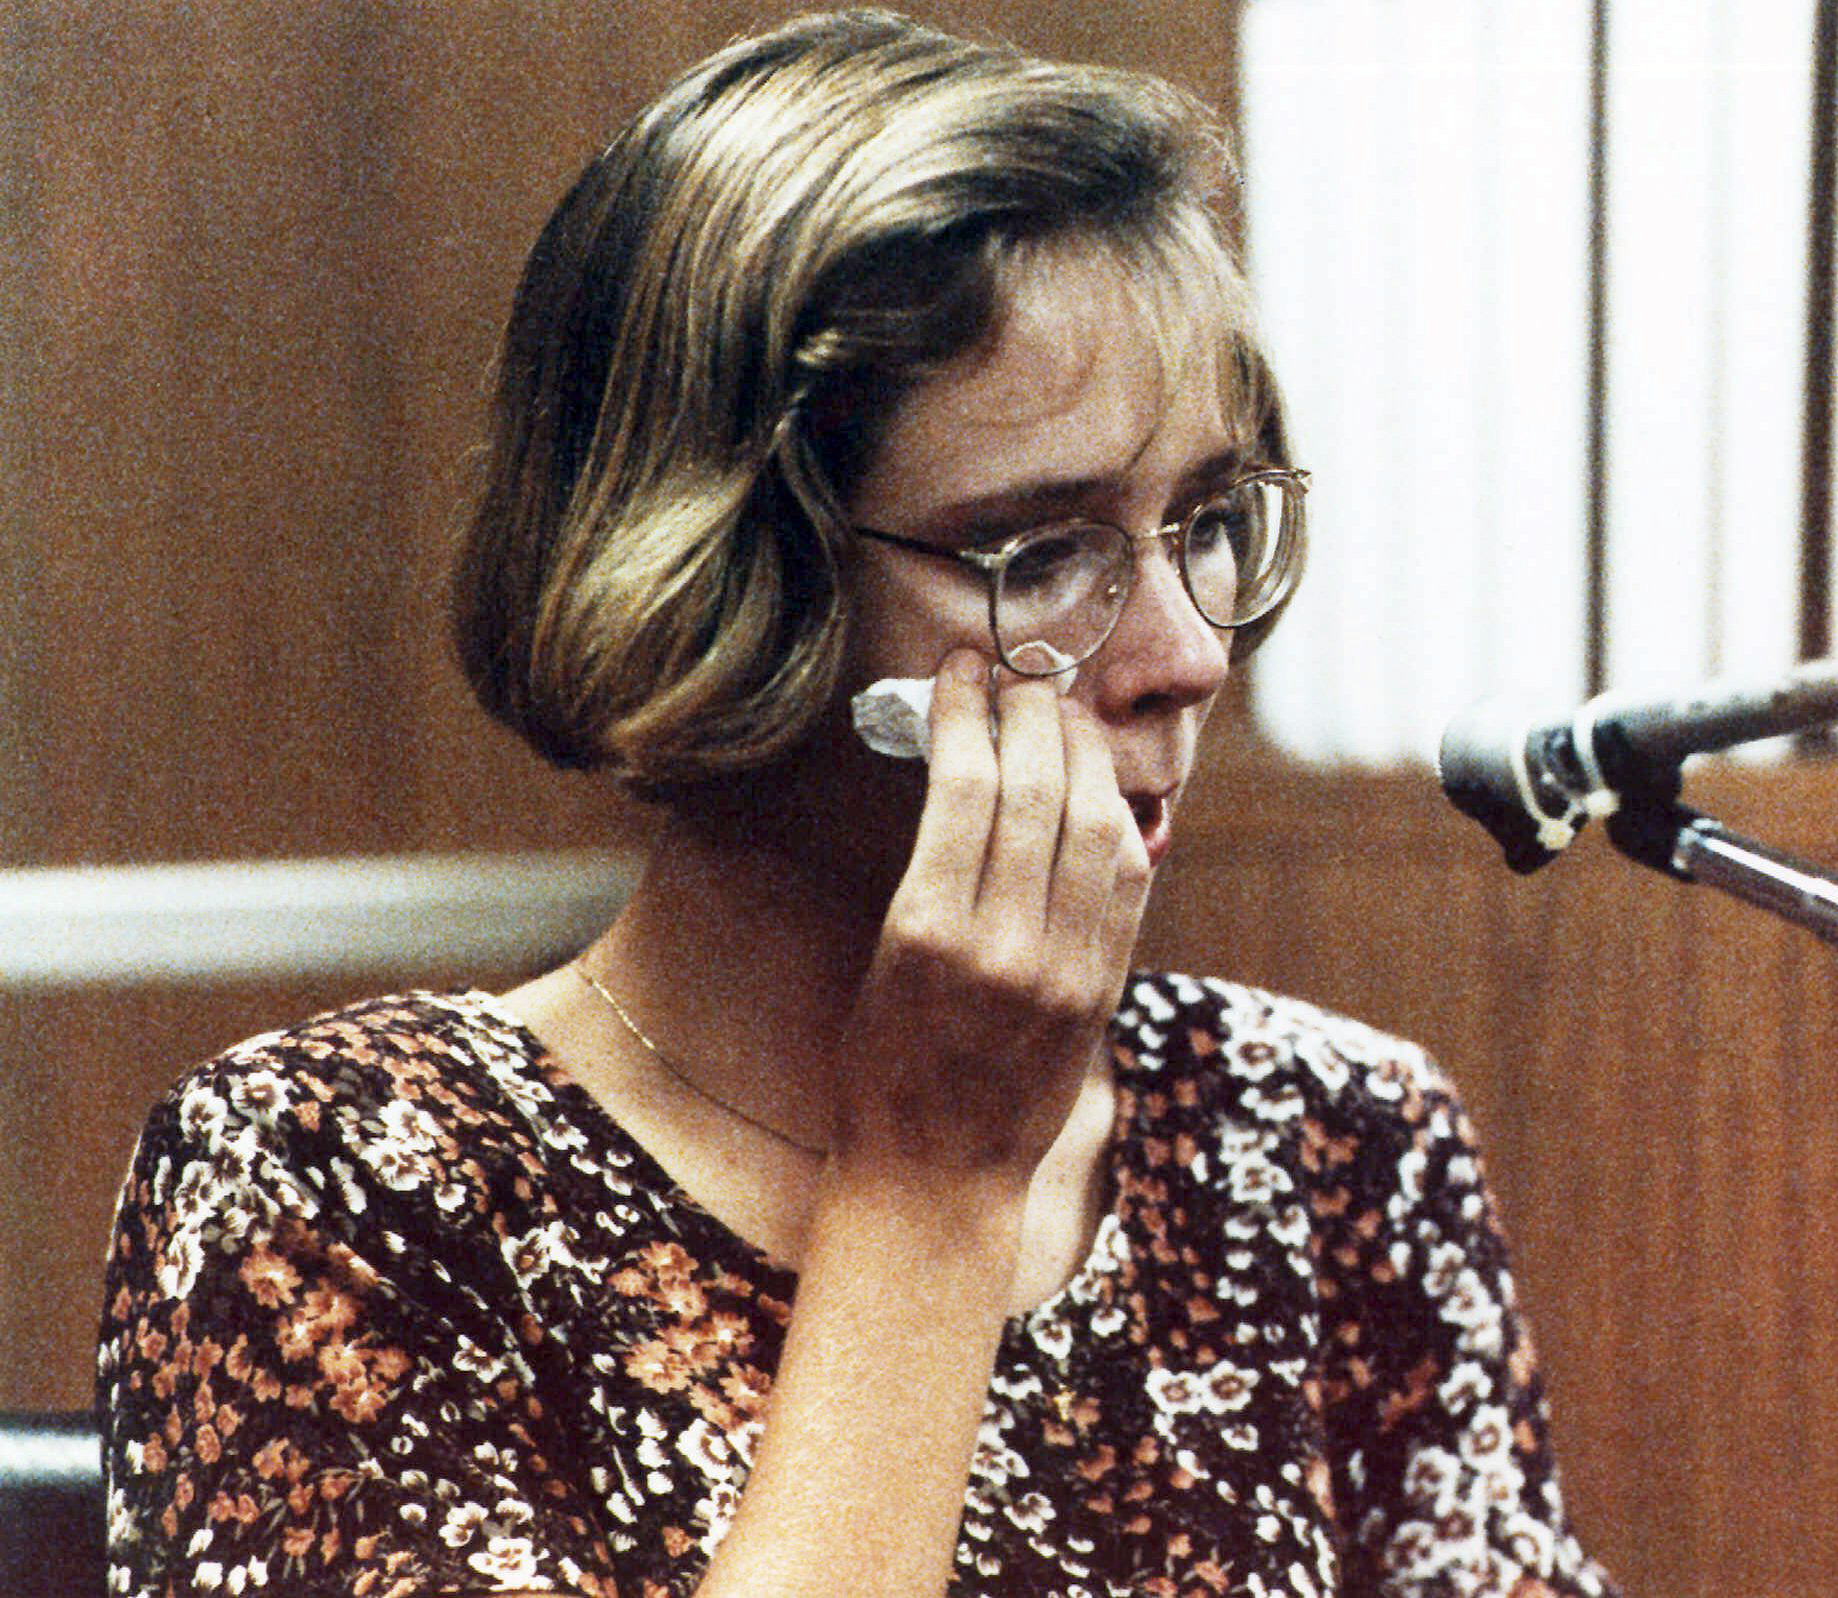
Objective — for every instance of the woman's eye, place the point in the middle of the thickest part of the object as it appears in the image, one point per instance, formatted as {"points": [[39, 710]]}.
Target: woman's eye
{"points": [[1048, 559], [1222, 528]]}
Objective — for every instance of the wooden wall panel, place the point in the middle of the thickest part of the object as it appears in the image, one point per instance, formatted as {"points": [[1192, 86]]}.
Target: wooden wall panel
{"points": [[203, 441]]}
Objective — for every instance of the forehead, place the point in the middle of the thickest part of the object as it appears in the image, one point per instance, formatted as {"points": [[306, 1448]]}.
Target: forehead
{"points": [[1094, 374]]}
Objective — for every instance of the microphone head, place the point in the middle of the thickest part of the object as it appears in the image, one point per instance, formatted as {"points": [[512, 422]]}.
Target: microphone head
{"points": [[1475, 764]]}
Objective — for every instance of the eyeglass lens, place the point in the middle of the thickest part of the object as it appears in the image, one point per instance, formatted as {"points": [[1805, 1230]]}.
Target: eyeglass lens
{"points": [[1064, 587]]}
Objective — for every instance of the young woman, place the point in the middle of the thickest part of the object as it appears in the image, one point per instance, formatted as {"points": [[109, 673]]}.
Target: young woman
{"points": [[848, 1218]]}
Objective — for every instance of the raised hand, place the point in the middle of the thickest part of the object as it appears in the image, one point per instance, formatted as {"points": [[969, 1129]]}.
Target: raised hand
{"points": [[1006, 944]]}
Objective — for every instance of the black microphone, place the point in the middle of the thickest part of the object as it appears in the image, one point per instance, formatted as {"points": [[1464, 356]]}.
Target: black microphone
{"points": [[1532, 783]]}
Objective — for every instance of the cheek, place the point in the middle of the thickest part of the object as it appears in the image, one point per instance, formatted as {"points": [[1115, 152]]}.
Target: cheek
{"points": [[905, 623]]}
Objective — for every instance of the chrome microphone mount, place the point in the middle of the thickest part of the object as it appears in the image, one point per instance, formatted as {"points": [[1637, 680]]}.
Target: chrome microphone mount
{"points": [[1533, 786], [1652, 828]]}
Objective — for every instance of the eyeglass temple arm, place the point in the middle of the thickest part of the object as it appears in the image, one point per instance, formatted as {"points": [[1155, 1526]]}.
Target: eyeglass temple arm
{"points": [[982, 559]]}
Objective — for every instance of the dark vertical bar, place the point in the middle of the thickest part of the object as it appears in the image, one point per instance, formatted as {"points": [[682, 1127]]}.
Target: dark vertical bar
{"points": [[1821, 287], [24, 724], [1595, 620]]}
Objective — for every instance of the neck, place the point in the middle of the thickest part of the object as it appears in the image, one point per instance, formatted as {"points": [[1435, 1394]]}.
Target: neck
{"points": [[742, 949]]}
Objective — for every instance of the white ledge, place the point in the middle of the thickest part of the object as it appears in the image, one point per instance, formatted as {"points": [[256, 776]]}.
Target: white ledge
{"points": [[290, 918], [42, 1457]]}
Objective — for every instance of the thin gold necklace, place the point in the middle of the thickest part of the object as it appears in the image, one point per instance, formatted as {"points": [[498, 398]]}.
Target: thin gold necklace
{"points": [[683, 1076]]}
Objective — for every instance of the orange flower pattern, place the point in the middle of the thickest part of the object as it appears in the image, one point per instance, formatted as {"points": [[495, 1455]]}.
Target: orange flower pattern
{"points": [[394, 1308]]}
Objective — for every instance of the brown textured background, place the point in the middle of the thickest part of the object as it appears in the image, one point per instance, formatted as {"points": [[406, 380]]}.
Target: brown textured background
{"points": [[255, 259]]}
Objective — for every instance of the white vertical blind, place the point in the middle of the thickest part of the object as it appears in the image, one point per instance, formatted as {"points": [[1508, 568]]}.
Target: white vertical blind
{"points": [[1709, 153], [1418, 188]]}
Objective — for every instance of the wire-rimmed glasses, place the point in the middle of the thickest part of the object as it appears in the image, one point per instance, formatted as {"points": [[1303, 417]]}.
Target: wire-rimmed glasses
{"points": [[1056, 591]]}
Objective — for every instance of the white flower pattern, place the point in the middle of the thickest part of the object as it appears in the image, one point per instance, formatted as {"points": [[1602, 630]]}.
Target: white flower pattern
{"points": [[431, 1258]]}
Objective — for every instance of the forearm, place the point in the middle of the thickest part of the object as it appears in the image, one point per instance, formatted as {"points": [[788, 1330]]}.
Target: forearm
{"points": [[974, 1031], [859, 1483]]}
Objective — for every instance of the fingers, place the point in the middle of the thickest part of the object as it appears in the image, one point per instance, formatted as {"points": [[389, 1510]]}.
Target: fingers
{"points": [[1031, 807], [992, 817], [1025, 833], [1099, 841], [961, 786], [1008, 940]]}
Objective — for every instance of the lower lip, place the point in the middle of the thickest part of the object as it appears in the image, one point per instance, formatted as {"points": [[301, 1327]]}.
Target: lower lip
{"points": [[1155, 820]]}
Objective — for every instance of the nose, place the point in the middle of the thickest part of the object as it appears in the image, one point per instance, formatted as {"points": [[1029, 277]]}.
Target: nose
{"points": [[1162, 654]]}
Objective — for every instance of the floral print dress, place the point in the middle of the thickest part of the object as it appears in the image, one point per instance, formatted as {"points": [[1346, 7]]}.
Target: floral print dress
{"points": [[393, 1308]]}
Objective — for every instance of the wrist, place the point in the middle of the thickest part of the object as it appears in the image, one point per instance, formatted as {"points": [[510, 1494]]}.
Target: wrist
{"points": [[924, 1216], [920, 1186], [981, 1155]]}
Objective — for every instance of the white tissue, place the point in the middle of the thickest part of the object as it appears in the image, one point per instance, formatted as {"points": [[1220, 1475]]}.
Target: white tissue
{"points": [[894, 716]]}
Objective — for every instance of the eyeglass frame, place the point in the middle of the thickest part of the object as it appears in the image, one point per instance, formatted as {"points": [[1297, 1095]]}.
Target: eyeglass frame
{"points": [[990, 563]]}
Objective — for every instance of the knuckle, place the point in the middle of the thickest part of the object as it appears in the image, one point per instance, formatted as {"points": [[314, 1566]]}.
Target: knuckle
{"points": [[1048, 997], [1063, 1000], [1033, 797], [1009, 969], [1133, 869], [965, 785], [1099, 822], [915, 937]]}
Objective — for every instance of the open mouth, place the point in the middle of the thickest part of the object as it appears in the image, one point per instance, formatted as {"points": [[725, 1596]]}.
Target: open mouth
{"points": [[1155, 820]]}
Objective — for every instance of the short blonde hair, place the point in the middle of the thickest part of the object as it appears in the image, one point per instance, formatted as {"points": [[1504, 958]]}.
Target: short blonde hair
{"points": [[713, 328]]}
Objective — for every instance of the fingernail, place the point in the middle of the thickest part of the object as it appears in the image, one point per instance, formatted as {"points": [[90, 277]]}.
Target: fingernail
{"points": [[966, 665]]}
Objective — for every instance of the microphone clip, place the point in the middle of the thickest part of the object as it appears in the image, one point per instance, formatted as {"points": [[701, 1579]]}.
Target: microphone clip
{"points": [[1581, 775], [1534, 786], [1654, 830]]}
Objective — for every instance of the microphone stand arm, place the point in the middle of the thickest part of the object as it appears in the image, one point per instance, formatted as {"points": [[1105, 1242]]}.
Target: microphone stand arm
{"points": [[1653, 828]]}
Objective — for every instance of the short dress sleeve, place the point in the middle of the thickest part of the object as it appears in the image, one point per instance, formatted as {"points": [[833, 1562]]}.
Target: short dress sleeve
{"points": [[1444, 1478], [314, 1376]]}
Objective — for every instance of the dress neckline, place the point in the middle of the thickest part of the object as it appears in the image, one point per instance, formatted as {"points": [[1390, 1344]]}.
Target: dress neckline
{"points": [[1103, 1255]]}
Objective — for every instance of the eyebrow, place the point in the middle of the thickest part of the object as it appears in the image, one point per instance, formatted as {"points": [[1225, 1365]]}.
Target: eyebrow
{"points": [[1023, 503], [1230, 461]]}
